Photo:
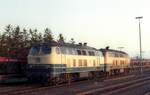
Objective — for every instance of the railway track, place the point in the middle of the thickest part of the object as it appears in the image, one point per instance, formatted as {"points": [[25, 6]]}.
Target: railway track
{"points": [[29, 89], [23, 90], [14, 89], [116, 88]]}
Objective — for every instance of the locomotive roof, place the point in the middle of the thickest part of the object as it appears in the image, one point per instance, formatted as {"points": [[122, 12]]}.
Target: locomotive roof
{"points": [[112, 50], [54, 43]]}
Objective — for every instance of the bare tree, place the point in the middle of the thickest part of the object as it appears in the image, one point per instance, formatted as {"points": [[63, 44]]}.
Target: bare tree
{"points": [[26, 35], [34, 36], [61, 38], [47, 35]]}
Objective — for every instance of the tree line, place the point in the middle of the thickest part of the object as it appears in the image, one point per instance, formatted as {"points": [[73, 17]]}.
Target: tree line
{"points": [[14, 41]]}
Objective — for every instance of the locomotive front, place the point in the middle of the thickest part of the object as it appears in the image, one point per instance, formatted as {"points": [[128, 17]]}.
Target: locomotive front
{"points": [[39, 60]]}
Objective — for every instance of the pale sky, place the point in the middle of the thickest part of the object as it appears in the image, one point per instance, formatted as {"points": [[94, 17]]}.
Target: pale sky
{"points": [[100, 23]]}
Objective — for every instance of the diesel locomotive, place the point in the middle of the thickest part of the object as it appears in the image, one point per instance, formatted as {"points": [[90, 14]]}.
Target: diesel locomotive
{"points": [[55, 62]]}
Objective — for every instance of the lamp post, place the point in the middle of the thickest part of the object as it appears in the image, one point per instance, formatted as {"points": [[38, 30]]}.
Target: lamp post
{"points": [[140, 17]]}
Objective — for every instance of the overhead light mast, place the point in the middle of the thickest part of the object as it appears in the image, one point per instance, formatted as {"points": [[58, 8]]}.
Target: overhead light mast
{"points": [[140, 43]]}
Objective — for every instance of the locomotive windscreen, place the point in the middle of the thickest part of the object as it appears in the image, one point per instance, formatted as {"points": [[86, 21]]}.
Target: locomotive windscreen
{"points": [[34, 50], [42, 49]]}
